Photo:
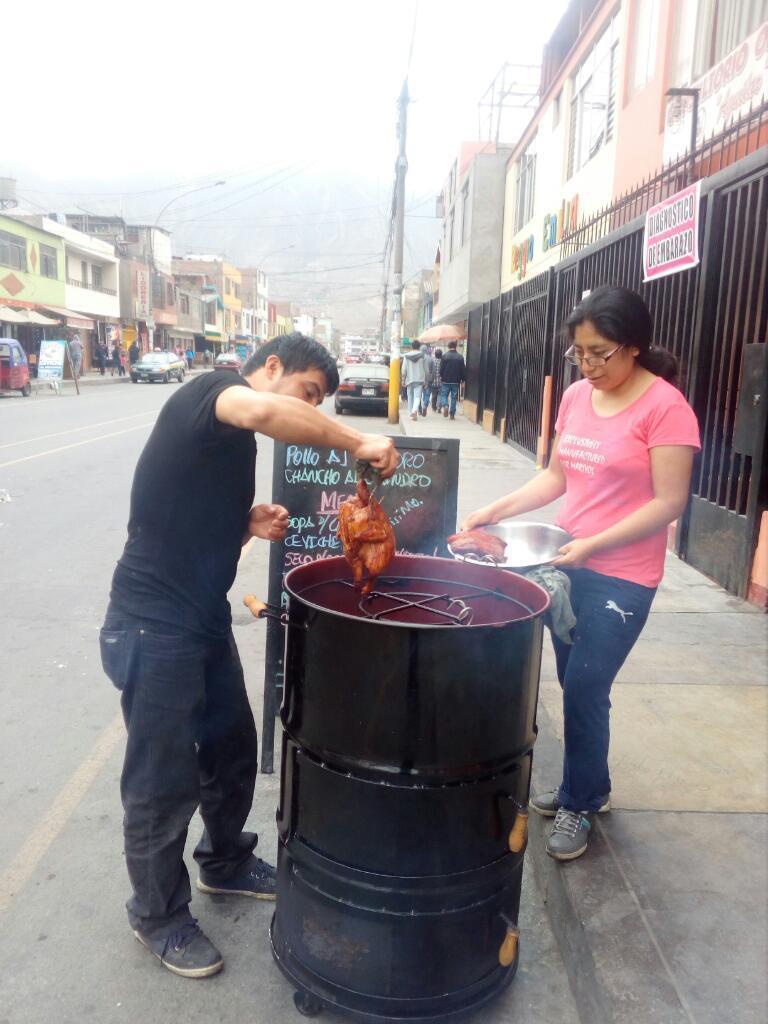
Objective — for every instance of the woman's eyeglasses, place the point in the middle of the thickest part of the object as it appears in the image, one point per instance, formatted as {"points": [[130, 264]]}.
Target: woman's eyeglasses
{"points": [[591, 361]]}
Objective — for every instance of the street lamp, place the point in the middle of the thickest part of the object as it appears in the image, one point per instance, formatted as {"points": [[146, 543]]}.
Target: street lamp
{"points": [[200, 188]]}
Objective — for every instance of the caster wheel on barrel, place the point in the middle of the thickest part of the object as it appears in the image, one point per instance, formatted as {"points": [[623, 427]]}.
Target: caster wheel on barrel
{"points": [[307, 1005]]}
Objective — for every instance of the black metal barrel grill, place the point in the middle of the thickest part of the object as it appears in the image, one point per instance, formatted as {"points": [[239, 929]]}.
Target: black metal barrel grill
{"points": [[409, 721]]}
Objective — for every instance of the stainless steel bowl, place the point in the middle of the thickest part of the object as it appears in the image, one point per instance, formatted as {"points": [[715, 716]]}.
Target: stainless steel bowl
{"points": [[528, 544]]}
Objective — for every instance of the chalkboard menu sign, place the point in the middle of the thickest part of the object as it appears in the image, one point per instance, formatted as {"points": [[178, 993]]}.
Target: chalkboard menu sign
{"points": [[420, 500]]}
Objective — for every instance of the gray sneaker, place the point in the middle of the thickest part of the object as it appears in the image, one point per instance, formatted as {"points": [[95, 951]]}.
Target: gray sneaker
{"points": [[548, 804], [185, 951], [568, 838]]}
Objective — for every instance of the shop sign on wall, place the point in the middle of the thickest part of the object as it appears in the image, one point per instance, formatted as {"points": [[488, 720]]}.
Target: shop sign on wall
{"points": [[671, 236], [142, 294], [522, 255], [561, 223], [725, 94]]}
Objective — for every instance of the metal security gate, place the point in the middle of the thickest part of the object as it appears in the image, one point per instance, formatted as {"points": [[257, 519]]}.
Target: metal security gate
{"points": [[729, 385], [713, 318], [528, 359]]}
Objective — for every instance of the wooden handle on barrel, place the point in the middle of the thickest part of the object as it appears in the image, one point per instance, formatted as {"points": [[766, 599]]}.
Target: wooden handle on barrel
{"points": [[519, 834], [508, 951], [256, 607]]}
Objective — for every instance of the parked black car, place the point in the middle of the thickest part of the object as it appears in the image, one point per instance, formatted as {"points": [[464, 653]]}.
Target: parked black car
{"points": [[363, 386]]}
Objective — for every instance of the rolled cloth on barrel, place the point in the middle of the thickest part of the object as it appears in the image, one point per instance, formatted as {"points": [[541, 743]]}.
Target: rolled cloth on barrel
{"points": [[560, 617]]}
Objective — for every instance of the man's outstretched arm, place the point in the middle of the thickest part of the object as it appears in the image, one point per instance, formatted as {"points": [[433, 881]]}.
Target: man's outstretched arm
{"points": [[296, 422]]}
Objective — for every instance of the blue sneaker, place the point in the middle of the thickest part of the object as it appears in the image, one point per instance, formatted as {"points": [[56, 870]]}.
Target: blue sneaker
{"points": [[568, 838], [185, 951], [256, 878]]}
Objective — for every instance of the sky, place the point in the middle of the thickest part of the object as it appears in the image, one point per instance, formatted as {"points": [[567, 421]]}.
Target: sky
{"points": [[293, 105]]}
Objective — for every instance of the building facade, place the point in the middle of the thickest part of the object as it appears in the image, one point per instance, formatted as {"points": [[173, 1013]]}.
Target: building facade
{"points": [[717, 49], [471, 243], [226, 280], [563, 166]]}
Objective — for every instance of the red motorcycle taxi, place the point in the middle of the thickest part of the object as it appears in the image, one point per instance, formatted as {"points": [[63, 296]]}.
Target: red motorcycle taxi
{"points": [[14, 368]]}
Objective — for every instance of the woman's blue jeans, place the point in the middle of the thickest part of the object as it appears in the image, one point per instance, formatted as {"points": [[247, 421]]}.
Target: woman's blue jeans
{"points": [[611, 614]]}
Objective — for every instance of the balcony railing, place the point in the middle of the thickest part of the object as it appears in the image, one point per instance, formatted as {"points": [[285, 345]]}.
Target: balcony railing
{"points": [[91, 287]]}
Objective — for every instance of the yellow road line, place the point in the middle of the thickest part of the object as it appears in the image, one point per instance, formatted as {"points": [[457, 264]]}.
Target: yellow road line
{"points": [[75, 430], [26, 861], [75, 444]]}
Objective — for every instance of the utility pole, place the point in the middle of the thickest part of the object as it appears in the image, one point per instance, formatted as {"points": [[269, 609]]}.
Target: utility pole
{"points": [[383, 327], [401, 168]]}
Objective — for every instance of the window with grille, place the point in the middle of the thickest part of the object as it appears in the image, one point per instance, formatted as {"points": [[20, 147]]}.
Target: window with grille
{"points": [[593, 107], [525, 185], [158, 292], [96, 278], [645, 31], [13, 250], [721, 26], [465, 214], [183, 303], [48, 262]]}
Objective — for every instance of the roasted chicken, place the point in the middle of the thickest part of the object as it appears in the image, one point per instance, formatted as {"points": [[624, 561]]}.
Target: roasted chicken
{"points": [[366, 536], [479, 543]]}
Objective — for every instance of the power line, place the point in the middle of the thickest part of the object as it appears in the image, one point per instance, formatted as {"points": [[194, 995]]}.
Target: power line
{"points": [[150, 191]]}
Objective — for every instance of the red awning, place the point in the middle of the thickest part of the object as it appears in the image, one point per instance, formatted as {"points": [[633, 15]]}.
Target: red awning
{"points": [[73, 319]]}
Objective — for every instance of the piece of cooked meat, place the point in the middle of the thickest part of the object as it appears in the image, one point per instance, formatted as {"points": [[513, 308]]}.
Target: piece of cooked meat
{"points": [[366, 536], [478, 542]]}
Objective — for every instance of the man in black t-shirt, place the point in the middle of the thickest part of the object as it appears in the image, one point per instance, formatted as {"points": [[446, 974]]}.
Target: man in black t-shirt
{"points": [[167, 641]]}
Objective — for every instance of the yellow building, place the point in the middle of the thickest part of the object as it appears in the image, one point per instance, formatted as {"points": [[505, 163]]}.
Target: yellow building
{"points": [[227, 281]]}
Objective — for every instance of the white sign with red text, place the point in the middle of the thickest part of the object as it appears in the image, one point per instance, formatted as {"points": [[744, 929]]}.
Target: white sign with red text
{"points": [[726, 92], [671, 237]]}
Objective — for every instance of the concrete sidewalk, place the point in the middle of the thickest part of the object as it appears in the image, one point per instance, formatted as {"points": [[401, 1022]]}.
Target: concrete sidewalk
{"points": [[94, 378], [664, 918]]}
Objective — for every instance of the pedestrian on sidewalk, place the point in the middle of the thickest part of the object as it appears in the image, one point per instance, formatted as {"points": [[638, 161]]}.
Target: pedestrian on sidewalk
{"points": [[438, 384], [190, 354], [453, 372], [414, 375], [430, 375], [623, 454], [133, 352], [167, 641], [121, 356], [101, 357], [76, 355]]}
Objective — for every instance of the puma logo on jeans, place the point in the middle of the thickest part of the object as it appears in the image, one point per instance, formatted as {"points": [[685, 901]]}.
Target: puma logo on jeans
{"points": [[613, 607]]}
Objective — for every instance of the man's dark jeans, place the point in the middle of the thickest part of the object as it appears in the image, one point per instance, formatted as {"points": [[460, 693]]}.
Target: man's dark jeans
{"points": [[191, 742], [449, 393], [610, 615]]}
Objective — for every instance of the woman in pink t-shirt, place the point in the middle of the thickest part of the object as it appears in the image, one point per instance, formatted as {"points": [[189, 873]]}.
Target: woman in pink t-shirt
{"points": [[623, 455]]}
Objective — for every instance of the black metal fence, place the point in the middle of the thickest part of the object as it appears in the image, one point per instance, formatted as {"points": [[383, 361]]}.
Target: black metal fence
{"points": [[707, 316], [737, 140]]}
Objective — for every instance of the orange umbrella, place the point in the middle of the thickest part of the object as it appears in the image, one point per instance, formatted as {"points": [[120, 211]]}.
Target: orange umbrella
{"points": [[443, 332]]}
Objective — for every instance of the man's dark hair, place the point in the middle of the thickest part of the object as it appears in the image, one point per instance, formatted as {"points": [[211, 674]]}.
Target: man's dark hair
{"points": [[416, 345], [452, 346], [296, 352]]}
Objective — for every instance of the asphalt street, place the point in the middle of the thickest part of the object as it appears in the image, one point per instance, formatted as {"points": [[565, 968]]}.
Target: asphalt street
{"points": [[66, 950]]}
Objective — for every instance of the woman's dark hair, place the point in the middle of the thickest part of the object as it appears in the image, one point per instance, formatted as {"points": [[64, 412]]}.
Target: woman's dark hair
{"points": [[438, 353], [297, 352], [621, 315]]}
